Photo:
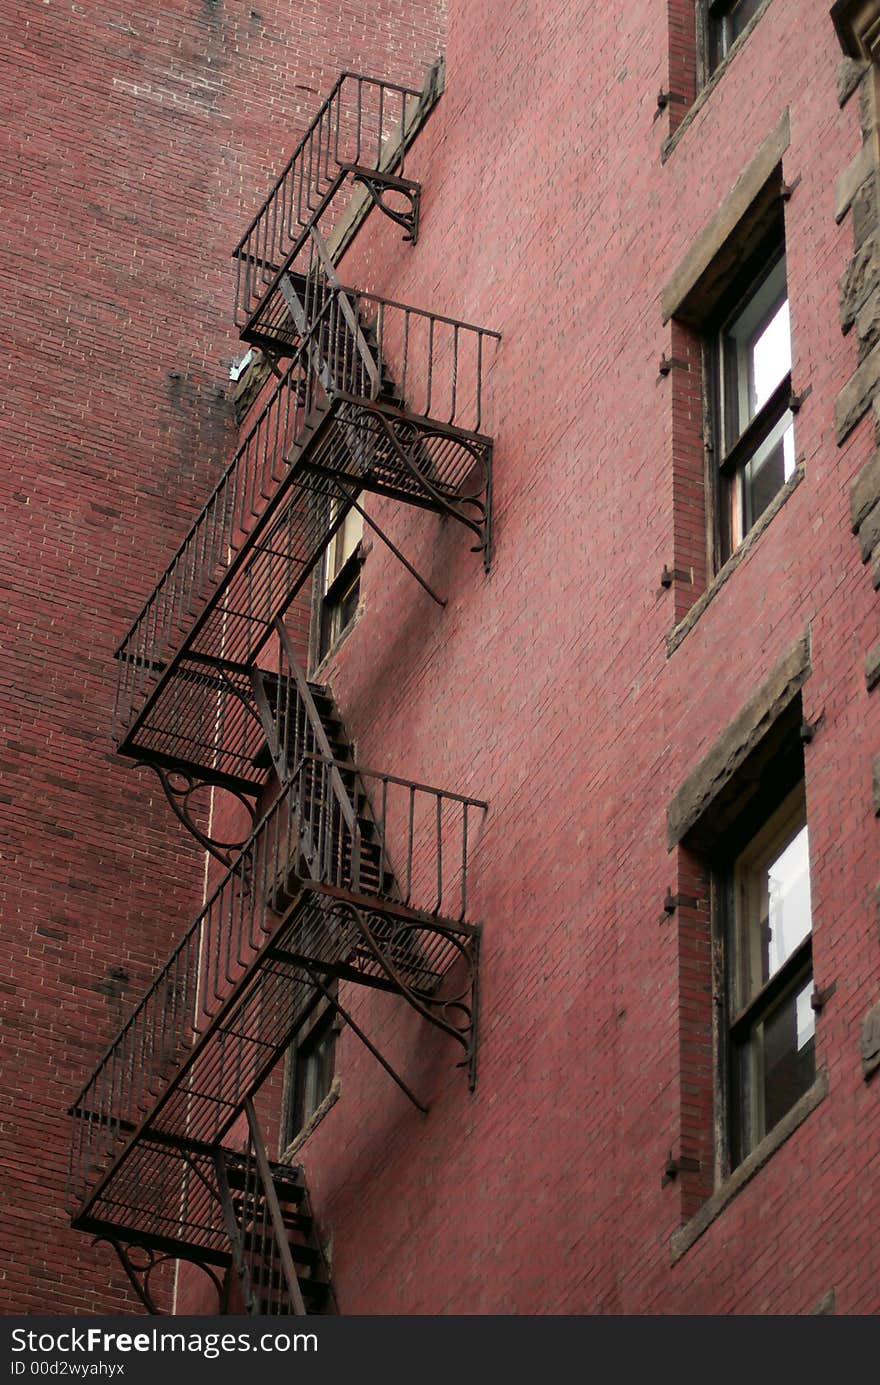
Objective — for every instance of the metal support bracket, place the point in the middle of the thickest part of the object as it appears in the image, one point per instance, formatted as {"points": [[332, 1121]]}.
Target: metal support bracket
{"points": [[139, 1271], [179, 785], [673, 1167], [455, 1015], [395, 550], [368, 1044], [406, 435], [378, 184], [675, 574]]}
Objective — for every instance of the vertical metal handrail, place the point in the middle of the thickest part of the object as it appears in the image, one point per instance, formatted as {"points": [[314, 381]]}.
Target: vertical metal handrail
{"points": [[348, 130], [279, 1234]]}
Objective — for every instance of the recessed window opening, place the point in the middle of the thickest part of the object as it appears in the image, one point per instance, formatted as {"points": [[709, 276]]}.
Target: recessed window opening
{"points": [[726, 20], [341, 579], [770, 977], [753, 424]]}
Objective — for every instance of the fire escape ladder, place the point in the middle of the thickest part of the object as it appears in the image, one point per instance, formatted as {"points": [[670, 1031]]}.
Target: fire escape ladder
{"points": [[276, 1253], [351, 875]]}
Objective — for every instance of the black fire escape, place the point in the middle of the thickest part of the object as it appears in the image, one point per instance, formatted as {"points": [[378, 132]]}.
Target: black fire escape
{"points": [[347, 874]]}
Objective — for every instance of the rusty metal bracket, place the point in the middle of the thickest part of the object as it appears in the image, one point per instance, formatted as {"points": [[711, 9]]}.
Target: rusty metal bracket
{"points": [[675, 901], [796, 400], [377, 184], [808, 729], [178, 795], [669, 363], [821, 995], [139, 1271], [673, 1167], [675, 574]]}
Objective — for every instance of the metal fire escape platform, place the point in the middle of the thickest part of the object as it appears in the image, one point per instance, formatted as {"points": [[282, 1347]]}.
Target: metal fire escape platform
{"points": [[359, 137], [379, 397], [351, 876]]}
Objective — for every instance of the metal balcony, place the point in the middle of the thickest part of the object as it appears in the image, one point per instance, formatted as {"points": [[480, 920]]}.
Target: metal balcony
{"points": [[351, 876], [379, 397], [359, 136]]}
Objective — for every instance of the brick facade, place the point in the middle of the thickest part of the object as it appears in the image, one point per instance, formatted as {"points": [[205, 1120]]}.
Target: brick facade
{"points": [[135, 147], [588, 700]]}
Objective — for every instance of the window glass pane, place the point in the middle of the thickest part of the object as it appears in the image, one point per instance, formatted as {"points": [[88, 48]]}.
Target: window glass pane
{"points": [[725, 26], [777, 1064], [344, 541], [788, 902], [772, 882], [314, 1061], [740, 14], [765, 474], [770, 354], [754, 360], [772, 1054], [757, 348]]}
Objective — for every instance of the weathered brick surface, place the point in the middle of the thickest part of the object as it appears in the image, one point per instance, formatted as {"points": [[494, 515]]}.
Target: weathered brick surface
{"points": [[546, 688], [136, 145]]}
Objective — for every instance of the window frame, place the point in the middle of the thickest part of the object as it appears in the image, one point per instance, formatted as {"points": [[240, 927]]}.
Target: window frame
{"points": [[339, 581], [714, 43], [322, 1025], [736, 1139], [729, 451]]}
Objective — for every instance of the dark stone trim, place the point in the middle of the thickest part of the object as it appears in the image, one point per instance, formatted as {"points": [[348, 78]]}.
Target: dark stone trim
{"points": [[685, 1236], [716, 769], [684, 626]]}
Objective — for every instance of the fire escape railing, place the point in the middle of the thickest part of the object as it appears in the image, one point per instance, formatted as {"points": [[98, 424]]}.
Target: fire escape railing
{"points": [[380, 397], [348, 875], [359, 135], [308, 900]]}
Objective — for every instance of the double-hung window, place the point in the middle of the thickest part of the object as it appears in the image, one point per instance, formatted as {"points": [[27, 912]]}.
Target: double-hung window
{"points": [[771, 1022], [341, 580], [750, 397]]}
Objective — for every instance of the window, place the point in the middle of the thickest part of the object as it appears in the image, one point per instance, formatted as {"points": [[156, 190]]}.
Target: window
{"points": [[750, 394], [740, 897], [311, 1069], [724, 21], [341, 579], [765, 896]]}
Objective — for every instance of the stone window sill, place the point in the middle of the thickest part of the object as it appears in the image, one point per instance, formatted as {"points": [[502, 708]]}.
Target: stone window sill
{"points": [[672, 140], [288, 1154], [684, 626], [686, 1235]]}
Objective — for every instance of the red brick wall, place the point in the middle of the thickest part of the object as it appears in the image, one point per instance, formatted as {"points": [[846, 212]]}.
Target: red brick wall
{"points": [[546, 688], [135, 149]]}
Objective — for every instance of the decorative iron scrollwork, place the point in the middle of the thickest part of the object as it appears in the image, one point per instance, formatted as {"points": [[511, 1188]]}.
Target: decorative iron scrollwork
{"points": [[474, 511], [141, 1262], [455, 1014], [179, 785], [378, 186]]}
